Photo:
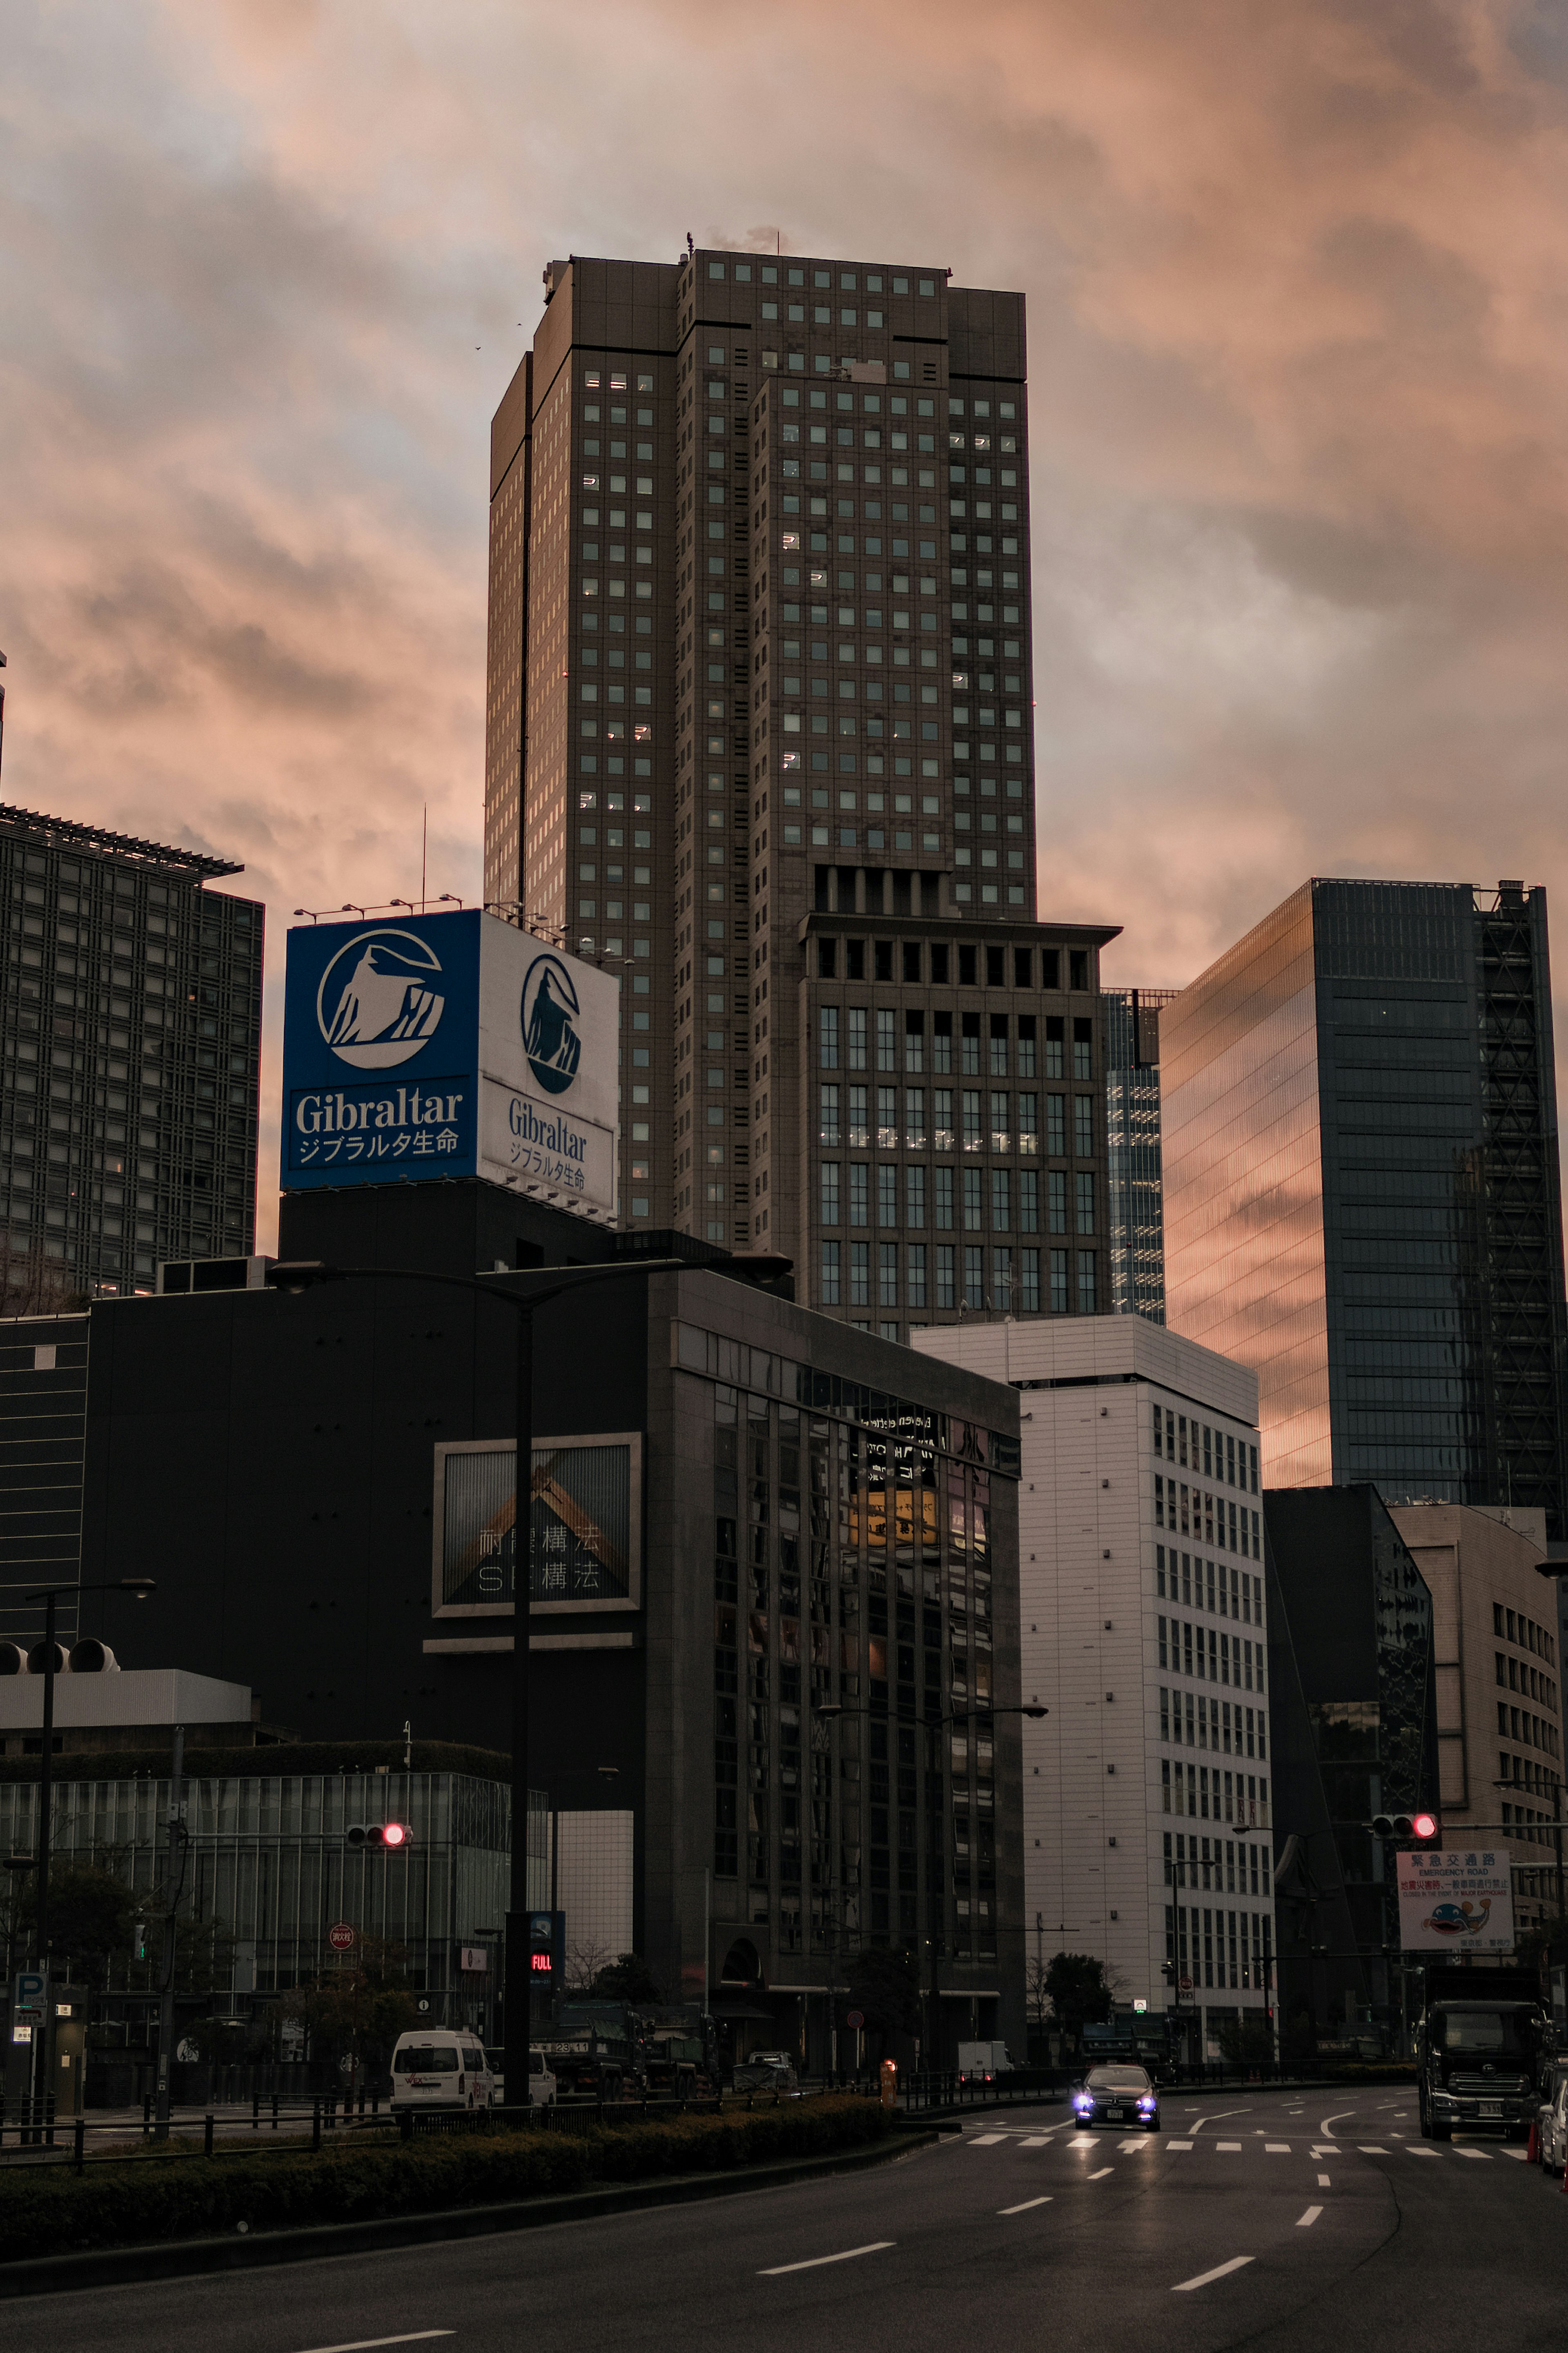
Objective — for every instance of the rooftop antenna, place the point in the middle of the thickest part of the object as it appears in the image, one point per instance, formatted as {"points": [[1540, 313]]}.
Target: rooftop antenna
{"points": [[424, 845]]}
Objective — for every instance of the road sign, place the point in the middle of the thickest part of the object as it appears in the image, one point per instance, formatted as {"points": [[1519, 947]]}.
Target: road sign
{"points": [[30, 1984], [1140, 2005], [342, 1937], [1184, 1985], [854, 2018]]}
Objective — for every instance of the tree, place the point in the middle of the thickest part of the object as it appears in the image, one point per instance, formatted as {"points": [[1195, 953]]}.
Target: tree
{"points": [[358, 2008], [1036, 1992], [585, 1961], [626, 1979], [1079, 1992], [32, 1282], [91, 1914]]}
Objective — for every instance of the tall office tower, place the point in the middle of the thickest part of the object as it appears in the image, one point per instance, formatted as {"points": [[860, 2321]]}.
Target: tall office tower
{"points": [[759, 735], [1137, 1220], [1362, 1188], [1147, 1813], [131, 1032]]}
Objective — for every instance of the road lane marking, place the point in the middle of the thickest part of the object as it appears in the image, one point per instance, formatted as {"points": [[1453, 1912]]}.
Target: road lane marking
{"points": [[1036, 2140], [363, 2344], [1185, 2145], [1303, 2221], [1024, 2208], [1484, 2155], [1218, 2117], [1324, 2181], [815, 2262], [1326, 2129], [1324, 2148], [1415, 2149], [1370, 2148], [1276, 2148], [1521, 2155], [982, 2140], [1219, 2272], [1228, 2148], [1101, 2175]]}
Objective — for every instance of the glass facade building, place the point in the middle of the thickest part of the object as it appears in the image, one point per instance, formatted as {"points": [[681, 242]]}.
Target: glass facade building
{"points": [[1361, 1183], [130, 1032], [1136, 1228]]}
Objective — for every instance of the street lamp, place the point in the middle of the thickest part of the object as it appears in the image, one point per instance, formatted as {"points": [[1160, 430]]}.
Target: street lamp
{"points": [[831, 1710], [141, 1587], [299, 1275]]}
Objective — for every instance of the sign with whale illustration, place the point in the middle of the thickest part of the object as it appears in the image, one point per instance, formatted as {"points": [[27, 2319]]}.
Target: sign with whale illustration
{"points": [[449, 1045], [1457, 1900]]}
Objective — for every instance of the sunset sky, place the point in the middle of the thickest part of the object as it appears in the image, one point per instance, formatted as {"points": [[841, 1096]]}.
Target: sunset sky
{"points": [[1298, 284]]}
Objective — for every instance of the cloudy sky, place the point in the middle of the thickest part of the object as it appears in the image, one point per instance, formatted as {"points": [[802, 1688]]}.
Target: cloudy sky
{"points": [[1298, 278]]}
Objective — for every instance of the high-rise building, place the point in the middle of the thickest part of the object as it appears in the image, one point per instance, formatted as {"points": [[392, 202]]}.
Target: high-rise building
{"points": [[1137, 1221], [759, 734], [1147, 1814], [131, 1030], [1361, 1182]]}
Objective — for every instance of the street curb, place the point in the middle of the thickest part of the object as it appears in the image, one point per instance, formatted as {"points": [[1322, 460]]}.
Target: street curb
{"points": [[116, 2266]]}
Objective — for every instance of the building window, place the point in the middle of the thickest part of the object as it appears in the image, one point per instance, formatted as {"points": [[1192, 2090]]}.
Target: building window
{"points": [[1084, 1186], [886, 1194], [944, 1275], [830, 1192], [1059, 1282], [942, 1180], [974, 1276], [972, 1128], [1086, 1288], [1056, 1127], [915, 1118], [885, 1041], [914, 1198], [859, 1133], [860, 1274], [828, 1132], [887, 1274], [1028, 1125], [1083, 1127], [1057, 1201], [856, 1017], [828, 1022], [1082, 1049], [1028, 1201], [859, 1193], [917, 1274], [830, 1274], [1001, 1205], [1028, 1282], [971, 1200], [1002, 1281]]}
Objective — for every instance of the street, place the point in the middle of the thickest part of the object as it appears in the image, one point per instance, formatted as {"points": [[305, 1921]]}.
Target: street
{"points": [[1275, 2219]]}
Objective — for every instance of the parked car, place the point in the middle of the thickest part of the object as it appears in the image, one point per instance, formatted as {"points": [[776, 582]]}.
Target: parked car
{"points": [[434, 2067], [541, 2084], [1552, 2120], [765, 2071]]}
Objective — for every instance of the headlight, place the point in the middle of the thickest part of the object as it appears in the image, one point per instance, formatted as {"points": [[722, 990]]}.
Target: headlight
{"points": [[1148, 2101]]}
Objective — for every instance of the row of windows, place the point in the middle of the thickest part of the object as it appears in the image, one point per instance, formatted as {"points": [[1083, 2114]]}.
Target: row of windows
{"points": [[1533, 1731], [1519, 1677], [1203, 1515], [1201, 1723], [849, 1030], [951, 1275], [1224, 1455], [973, 1133], [1220, 1658], [1229, 1866], [1185, 1574], [1211, 1793], [1516, 1627], [957, 1199], [1197, 1952]]}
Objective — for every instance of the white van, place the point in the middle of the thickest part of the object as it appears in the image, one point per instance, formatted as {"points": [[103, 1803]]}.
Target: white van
{"points": [[435, 2067]]}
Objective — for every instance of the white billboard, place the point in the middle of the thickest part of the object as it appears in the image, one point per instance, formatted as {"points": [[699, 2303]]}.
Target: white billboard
{"points": [[1459, 1900], [549, 1071]]}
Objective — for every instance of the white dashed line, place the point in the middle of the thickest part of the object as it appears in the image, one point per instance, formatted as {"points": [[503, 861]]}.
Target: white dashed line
{"points": [[1219, 2272], [363, 2344], [1370, 2148], [1276, 2148], [1036, 2140], [1484, 2155], [1324, 2181], [1024, 2208], [985, 2140], [1303, 2221], [1415, 2150], [1228, 2148], [814, 2263], [1102, 2174], [1185, 2145]]}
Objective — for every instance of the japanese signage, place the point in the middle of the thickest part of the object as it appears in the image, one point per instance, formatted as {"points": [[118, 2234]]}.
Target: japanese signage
{"points": [[1457, 1901], [448, 1045], [586, 1550]]}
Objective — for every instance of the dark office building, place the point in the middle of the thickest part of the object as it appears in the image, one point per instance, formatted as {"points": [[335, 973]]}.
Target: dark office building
{"points": [[1131, 1028], [131, 1029], [1361, 1179], [741, 1511], [759, 734], [1354, 1717]]}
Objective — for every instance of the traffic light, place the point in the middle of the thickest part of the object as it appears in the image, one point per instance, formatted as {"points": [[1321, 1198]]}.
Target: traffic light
{"points": [[390, 1836], [1414, 1829], [138, 1940]]}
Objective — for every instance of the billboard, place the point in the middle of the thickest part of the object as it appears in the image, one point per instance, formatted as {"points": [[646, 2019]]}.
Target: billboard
{"points": [[586, 1542], [449, 1045], [1457, 1900]]}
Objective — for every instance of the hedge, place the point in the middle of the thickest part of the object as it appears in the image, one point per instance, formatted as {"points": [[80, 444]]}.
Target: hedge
{"points": [[47, 2211]]}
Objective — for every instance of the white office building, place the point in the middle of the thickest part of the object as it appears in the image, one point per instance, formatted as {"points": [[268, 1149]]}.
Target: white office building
{"points": [[1146, 1788]]}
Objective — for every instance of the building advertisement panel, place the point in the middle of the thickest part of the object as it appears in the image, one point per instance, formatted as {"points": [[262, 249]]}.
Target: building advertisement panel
{"points": [[1457, 1901], [448, 1045], [586, 1550]]}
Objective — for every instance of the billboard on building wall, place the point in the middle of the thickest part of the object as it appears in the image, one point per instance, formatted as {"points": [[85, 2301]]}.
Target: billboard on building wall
{"points": [[1457, 1900], [449, 1045]]}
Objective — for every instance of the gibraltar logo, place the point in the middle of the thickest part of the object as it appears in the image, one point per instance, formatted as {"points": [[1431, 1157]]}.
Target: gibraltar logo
{"points": [[553, 1046], [375, 1005]]}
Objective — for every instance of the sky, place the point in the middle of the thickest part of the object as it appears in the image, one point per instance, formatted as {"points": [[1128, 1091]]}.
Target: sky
{"points": [[1297, 287]]}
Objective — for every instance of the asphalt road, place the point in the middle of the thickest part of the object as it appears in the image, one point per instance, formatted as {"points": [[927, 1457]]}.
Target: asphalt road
{"points": [[1276, 2220]]}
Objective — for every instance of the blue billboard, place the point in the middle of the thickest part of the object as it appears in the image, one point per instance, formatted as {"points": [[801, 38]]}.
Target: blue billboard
{"points": [[380, 1026]]}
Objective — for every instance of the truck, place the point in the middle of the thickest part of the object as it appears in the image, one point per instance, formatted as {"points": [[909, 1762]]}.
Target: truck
{"points": [[978, 2062], [1482, 2047]]}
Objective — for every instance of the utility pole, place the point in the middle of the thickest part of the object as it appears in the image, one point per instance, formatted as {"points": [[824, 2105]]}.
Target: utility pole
{"points": [[43, 2037], [174, 1880]]}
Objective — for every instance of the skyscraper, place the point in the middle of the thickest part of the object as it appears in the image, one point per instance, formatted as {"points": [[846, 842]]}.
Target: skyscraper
{"points": [[1361, 1181], [760, 735], [131, 1030], [1137, 1222]]}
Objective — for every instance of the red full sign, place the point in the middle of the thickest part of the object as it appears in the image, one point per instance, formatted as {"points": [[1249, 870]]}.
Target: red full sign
{"points": [[341, 1937]]}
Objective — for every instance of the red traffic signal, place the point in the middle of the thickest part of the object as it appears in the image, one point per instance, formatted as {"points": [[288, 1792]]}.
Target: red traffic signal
{"points": [[1429, 1830], [1424, 1829], [379, 1834]]}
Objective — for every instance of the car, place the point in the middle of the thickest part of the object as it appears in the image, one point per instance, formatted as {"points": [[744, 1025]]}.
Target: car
{"points": [[1118, 2095], [438, 2067], [541, 2084], [1552, 2120], [765, 2071]]}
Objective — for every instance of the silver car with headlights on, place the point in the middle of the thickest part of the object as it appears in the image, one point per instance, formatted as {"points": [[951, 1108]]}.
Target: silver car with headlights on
{"points": [[1118, 2095]]}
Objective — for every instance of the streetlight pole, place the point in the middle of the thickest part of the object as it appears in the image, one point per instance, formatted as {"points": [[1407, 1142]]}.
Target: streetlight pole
{"points": [[834, 1711], [141, 1587], [298, 1275]]}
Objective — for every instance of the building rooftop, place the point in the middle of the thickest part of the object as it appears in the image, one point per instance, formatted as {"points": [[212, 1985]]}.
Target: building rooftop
{"points": [[65, 833]]}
